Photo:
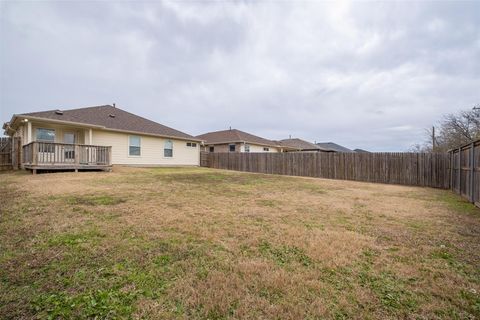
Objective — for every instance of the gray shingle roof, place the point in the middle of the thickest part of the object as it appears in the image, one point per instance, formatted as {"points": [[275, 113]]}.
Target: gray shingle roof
{"points": [[361, 150], [300, 144], [234, 135], [111, 117], [330, 146]]}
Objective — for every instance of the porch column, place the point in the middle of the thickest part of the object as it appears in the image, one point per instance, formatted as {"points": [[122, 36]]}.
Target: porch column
{"points": [[29, 132], [90, 136]]}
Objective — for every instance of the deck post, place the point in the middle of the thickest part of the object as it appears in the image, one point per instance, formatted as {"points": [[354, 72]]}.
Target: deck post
{"points": [[77, 155], [35, 153]]}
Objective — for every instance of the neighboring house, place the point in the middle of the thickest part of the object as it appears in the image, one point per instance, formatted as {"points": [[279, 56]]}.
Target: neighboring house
{"points": [[361, 151], [299, 145], [333, 147], [234, 140], [97, 137]]}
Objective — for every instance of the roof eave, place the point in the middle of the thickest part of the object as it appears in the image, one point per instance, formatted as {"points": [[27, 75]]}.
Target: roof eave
{"points": [[86, 125]]}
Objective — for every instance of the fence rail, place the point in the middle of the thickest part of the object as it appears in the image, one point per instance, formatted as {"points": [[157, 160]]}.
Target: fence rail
{"points": [[415, 169]]}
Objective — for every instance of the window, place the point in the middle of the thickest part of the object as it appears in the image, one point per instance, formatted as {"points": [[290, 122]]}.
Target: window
{"points": [[247, 148], [266, 149], [194, 145], [212, 149], [45, 135], [191, 144], [231, 147], [168, 149], [134, 146]]}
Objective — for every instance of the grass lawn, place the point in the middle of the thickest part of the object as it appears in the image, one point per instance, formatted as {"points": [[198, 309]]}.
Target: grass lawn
{"points": [[201, 243]]}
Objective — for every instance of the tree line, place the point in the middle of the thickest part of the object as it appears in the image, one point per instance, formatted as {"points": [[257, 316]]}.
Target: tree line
{"points": [[454, 130]]}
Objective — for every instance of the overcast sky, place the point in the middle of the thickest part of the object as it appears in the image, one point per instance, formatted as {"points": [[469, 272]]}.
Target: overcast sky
{"points": [[365, 75]]}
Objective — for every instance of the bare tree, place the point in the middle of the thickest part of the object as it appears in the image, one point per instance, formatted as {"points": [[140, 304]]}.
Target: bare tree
{"points": [[453, 131], [459, 129]]}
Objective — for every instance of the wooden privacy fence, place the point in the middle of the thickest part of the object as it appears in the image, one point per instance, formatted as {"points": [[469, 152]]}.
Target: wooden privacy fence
{"points": [[465, 173], [415, 169], [5, 153]]}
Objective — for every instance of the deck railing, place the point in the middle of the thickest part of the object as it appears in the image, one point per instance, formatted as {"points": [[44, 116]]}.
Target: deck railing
{"points": [[48, 153]]}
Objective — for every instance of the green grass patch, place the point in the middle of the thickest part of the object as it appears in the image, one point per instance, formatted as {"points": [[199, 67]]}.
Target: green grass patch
{"points": [[95, 200], [94, 304], [284, 255], [313, 188], [457, 203], [390, 290], [72, 239]]}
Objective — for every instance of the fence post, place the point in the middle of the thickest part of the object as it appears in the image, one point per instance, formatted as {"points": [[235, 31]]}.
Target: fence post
{"points": [[472, 172], [452, 184], [460, 170]]}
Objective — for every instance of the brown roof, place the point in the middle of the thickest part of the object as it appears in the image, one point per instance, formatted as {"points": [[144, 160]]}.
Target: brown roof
{"points": [[234, 135], [110, 117], [300, 144]]}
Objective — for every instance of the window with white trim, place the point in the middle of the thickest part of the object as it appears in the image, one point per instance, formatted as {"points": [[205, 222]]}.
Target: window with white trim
{"points": [[247, 148], [168, 149], [45, 135], [134, 146], [266, 149], [231, 147]]}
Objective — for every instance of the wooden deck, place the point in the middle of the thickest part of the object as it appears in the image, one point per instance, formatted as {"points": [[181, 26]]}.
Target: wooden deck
{"points": [[61, 156]]}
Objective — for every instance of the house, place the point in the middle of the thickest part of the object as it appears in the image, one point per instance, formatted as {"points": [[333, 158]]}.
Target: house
{"points": [[361, 150], [299, 145], [234, 140], [98, 137], [333, 147]]}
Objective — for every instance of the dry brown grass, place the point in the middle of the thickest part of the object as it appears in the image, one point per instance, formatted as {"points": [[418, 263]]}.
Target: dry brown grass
{"points": [[201, 243]]}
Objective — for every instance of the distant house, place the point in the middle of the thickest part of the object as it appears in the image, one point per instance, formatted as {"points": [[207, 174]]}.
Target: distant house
{"points": [[234, 140], [97, 137], [300, 145], [333, 147], [361, 150]]}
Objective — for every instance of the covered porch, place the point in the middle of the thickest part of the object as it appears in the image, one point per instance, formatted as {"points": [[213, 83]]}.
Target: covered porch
{"points": [[64, 156], [54, 147]]}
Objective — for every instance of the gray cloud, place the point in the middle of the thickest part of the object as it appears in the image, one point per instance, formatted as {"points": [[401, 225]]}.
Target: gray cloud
{"points": [[368, 75]]}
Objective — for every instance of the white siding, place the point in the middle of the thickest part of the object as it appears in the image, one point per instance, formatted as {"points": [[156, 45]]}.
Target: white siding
{"points": [[257, 148], [59, 132], [151, 152]]}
